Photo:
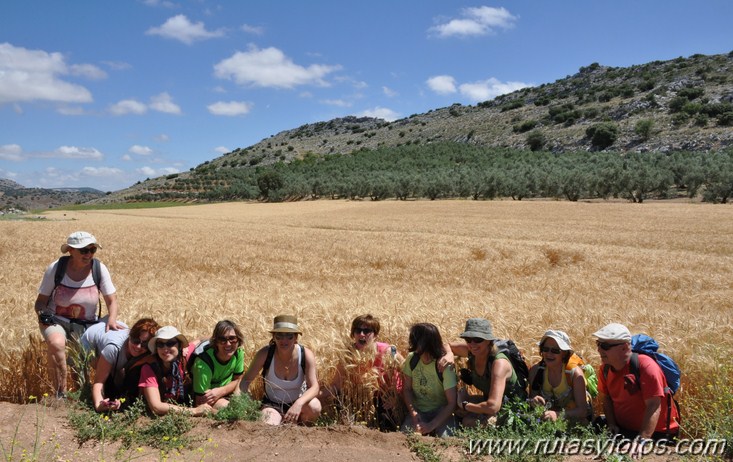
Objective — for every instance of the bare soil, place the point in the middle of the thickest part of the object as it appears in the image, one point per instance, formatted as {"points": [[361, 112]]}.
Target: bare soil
{"points": [[46, 430]]}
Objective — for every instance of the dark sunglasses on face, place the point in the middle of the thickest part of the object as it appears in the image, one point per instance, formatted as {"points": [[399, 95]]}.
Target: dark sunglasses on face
{"points": [[169, 344], [474, 340], [87, 250], [281, 336], [553, 350], [363, 330], [230, 339], [136, 341], [605, 346]]}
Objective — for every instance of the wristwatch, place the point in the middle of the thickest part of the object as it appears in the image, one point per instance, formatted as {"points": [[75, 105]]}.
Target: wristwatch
{"points": [[463, 405]]}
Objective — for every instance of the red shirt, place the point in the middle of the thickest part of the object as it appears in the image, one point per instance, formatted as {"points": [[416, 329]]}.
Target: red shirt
{"points": [[628, 397]]}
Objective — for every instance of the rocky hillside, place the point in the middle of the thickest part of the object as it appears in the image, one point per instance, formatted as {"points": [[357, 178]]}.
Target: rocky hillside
{"points": [[14, 196], [685, 104]]}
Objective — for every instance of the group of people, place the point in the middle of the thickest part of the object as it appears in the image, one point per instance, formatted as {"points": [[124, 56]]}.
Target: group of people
{"points": [[161, 365]]}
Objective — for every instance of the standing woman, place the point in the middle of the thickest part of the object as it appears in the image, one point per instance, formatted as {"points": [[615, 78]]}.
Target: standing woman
{"points": [[430, 398], [289, 371], [218, 370], [69, 305], [164, 383], [114, 350]]}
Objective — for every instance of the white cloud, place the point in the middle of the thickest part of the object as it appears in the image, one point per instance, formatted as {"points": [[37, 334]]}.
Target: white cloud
{"points": [[222, 149], [482, 20], [126, 157], [163, 3], [180, 28], [230, 108], [33, 75], [12, 152], [150, 172], [162, 138], [381, 113], [7, 174], [489, 89], [74, 152], [389, 92], [128, 106], [140, 150], [164, 103], [336, 102], [89, 71], [104, 172], [442, 84], [255, 30], [270, 67]]}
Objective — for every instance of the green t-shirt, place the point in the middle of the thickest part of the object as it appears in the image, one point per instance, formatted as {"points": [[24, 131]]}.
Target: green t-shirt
{"points": [[429, 393], [205, 379]]}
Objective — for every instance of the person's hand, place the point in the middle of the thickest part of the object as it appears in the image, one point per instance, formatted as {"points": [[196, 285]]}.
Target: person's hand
{"points": [[109, 405], [212, 396], [448, 359], [112, 324], [538, 401], [549, 415], [293, 413], [202, 409], [637, 447]]}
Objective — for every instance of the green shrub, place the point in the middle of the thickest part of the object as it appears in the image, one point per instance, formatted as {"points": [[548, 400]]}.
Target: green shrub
{"points": [[643, 128], [726, 119], [241, 407], [536, 140], [525, 126], [602, 135]]}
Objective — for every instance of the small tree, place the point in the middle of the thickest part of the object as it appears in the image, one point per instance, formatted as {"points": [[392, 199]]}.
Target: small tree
{"points": [[602, 135], [643, 128], [536, 140]]}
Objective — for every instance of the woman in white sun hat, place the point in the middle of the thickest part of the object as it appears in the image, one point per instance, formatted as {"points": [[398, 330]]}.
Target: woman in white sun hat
{"points": [[557, 383], [68, 301], [165, 383]]}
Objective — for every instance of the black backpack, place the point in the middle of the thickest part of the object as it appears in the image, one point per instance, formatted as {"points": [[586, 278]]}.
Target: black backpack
{"points": [[200, 352], [519, 364]]}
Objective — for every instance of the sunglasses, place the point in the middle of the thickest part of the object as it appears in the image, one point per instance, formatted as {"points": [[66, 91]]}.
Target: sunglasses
{"points": [[87, 250], [553, 350], [363, 330], [230, 339], [136, 341], [474, 340], [607, 346], [281, 336], [168, 344]]}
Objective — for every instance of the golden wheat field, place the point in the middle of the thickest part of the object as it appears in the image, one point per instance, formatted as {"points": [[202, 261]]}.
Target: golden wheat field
{"points": [[665, 269]]}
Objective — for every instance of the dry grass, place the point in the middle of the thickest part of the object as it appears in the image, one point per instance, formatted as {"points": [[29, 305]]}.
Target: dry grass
{"points": [[661, 268]]}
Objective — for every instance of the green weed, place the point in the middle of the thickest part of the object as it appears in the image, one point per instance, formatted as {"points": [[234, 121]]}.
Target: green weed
{"points": [[424, 451], [241, 407]]}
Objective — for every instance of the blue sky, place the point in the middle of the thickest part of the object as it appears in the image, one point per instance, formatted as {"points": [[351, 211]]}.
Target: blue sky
{"points": [[104, 93]]}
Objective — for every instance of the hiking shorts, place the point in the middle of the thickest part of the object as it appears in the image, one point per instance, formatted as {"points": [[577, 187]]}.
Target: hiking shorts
{"points": [[71, 330]]}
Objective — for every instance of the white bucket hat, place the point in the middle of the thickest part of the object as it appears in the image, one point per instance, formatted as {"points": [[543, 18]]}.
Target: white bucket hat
{"points": [[613, 331], [562, 339], [79, 240], [167, 333]]}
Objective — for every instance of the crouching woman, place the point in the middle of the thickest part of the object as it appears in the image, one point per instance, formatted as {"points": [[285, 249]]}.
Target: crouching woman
{"points": [[164, 382], [430, 396], [289, 372]]}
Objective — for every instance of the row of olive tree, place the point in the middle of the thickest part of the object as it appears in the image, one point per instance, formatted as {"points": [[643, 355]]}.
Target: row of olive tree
{"points": [[452, 170]]}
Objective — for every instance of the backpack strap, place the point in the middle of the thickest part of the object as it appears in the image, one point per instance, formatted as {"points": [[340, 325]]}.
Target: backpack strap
{"points": [[538, 378], [96, 276], [634, 369], [416, 359], [271, 353]]}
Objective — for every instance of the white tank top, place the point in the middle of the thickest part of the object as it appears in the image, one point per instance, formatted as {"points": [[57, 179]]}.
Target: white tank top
{"points": [[284, 391]]}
